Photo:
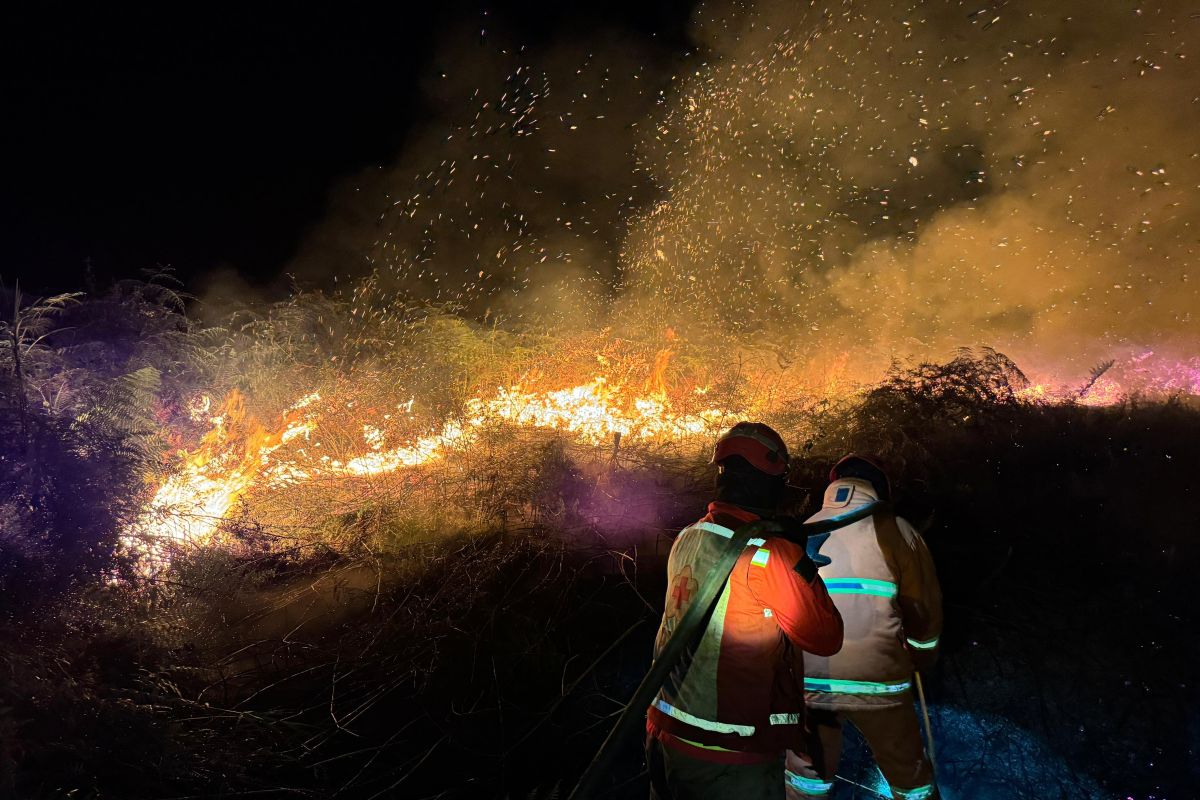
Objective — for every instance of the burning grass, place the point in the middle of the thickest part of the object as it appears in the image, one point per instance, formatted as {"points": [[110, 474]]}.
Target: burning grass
{"points": [[468, 623], [359, 447], [485, 654], [432, 408]]}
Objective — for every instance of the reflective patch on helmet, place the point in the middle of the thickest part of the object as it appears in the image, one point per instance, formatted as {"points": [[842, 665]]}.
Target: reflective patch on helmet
{"points": [[843, 494], [761, 557]]}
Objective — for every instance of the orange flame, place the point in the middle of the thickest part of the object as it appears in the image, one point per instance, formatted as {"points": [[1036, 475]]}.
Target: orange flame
{"points": [[239, 455], [188, 507], [657, 382]]}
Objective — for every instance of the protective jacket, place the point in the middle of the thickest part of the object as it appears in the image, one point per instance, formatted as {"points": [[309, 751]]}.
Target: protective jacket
{"points": [[734, 698], [882, 579]]}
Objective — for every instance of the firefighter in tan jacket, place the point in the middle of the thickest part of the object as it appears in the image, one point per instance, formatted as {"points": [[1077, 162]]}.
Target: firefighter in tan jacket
{"points": [[881, 578]]}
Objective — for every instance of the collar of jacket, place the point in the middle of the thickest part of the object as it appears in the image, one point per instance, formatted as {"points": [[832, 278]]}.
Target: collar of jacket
{"points": [[723, 513], [849, 493]]}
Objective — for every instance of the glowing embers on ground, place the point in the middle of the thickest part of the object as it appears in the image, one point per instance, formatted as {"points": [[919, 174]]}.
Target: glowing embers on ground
{"points": [[239, 455]]}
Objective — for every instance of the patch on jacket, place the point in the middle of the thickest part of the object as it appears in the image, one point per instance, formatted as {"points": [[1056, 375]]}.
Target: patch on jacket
{"points": [[683, 586]]}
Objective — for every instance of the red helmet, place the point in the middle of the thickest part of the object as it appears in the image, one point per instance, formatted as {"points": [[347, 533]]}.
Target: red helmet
{"points": [[757, 443], [868, 468]]}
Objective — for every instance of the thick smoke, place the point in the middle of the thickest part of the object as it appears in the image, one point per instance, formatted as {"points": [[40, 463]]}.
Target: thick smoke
{"points": [[903, 180], [870, 177]]}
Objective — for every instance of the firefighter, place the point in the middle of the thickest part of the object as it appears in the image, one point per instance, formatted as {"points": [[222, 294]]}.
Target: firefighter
{"points": [[882, 580], [727, 713]]}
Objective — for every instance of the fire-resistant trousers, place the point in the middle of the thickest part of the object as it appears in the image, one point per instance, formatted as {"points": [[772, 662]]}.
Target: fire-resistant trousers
{"points": [[894, 736], [675, 776]]}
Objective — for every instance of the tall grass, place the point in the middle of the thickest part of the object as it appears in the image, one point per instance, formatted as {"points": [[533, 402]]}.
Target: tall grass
{"points": [[470, 627]]}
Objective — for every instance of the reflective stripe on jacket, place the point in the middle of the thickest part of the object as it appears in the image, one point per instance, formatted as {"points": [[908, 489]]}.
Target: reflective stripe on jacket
{"points": [[738, 689], [882, 579]]}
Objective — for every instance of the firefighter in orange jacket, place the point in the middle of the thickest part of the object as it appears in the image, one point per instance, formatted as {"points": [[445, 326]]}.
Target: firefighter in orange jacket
{"points": [[721, 724], [882, 580]]}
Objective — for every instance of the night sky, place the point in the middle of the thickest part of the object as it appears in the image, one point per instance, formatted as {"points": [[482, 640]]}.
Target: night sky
{"points": [[213, 141]]}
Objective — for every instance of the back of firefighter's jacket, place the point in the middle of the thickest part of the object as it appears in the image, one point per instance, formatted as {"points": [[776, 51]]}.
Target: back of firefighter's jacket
{"points": [[739, 688], [881, 578]]}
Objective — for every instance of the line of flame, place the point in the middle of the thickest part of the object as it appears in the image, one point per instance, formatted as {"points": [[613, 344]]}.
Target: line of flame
{"points": [[238, 455]]}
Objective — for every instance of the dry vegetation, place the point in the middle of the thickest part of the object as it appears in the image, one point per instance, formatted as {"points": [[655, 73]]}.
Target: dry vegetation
{"points": [[470, 628]]}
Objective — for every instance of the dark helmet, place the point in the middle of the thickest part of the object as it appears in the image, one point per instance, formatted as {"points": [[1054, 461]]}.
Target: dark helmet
{"points": [[867, 468], [759, 444]]}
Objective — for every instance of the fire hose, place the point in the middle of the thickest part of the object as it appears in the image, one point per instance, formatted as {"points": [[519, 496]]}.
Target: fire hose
{"points": [[690, 629]]}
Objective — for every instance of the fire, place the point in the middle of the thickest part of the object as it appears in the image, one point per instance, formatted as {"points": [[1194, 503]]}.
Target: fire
{"points": [[1146, 374], [239, 455], [1104, 392], [189, 506]]}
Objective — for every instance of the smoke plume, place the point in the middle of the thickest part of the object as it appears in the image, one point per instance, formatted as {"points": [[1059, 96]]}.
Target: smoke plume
{"points": [[885, 179]]}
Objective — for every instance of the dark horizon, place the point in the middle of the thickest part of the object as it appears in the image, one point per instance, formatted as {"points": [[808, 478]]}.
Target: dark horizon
{"points": [[214, 144]]}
